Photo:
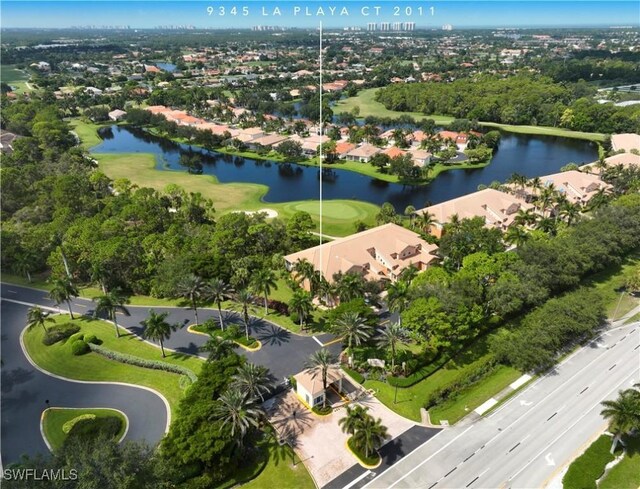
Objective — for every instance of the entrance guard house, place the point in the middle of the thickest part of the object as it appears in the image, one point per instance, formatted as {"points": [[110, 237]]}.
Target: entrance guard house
{"points": [[309, 385]]}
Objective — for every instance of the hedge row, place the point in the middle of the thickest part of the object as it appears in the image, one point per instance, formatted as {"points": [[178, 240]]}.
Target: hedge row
{"points": [[454, 388], [142, 362], [92, 429], [68, 426], [355, 375], [589, 466]]}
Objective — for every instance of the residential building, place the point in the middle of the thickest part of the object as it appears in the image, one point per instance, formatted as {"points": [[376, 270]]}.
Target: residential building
{"points": [[578, 187], [498, 209], [380, 253], [363, 153], [116, 115], [625, 142]]}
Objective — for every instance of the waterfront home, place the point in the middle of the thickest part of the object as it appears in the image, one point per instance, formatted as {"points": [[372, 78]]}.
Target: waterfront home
{"points": [[578, 187], [380, 253], [267, 140], [343, 147], [420, 157], [625, 142], [626, 160], [394, 152], [116, 115], [498, 209], [363, 153], [249, 134]]}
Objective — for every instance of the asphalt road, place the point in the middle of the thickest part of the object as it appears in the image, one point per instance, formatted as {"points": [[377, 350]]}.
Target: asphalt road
{"points": [[25, 391], [528, 439]]}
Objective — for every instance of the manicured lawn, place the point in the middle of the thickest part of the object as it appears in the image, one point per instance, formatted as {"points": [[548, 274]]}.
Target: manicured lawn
{"points": [[610, 283], [58, 359], [625, 475], [588, 467], [411, 399], [54, 419], [633, 319], [471, 398], [368, 106], [14, 77], [87, 132]]}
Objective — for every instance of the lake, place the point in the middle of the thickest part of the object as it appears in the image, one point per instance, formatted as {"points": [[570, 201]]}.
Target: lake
{"points": [[529, 155]]}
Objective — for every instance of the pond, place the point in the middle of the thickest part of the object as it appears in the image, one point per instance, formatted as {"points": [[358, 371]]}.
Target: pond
{"points": [[529, 155], [166, 66]]}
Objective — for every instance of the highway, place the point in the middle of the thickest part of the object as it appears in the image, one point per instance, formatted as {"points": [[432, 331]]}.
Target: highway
{"points": [[528, 439]]}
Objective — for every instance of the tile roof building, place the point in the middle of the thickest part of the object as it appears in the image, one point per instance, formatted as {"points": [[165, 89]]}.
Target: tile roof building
{"points": [[382, 252], [625, 142]]}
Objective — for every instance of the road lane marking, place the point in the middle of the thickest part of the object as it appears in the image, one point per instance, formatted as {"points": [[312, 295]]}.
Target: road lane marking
{"points": [[451, 471], [571, 427], [514, 447], [582, 391], [433, 485], [11, 291], [554, 414], [477, 477], [611, 368], [429, 458], [468, 457], [355, 481], [317, 341]]}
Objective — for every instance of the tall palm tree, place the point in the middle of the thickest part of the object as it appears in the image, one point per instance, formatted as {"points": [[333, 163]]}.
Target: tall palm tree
{"points": [[264, 281], [350, 286], [547, 225], [302, 304], [391, 337], [110, 304], [569, 212], [354, 416], [398, 296], [425, 221], [623, 414], [515, 235], [37, 317], [218, 348], [304, 270], [63, 290], [318, 365], [525, 217], [156, 328], [410, 211], [353, 329], [370, 435], [239, 411], [218, 291], [600, 198], [244, 298], [253, 380], [194, 289]]}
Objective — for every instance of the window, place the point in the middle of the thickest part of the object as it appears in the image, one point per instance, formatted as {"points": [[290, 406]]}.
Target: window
{"points": [[318, 400]]}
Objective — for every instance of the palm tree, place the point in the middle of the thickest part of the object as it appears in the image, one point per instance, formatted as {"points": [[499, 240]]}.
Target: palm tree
{"points": [[350, 286], [623, 414], [370, 435], [398, 296], [22, 265], [391, 337], [218, 347], [37, 317], [515, 235], [302, 304], [352, 419], [110, 304], [264, 281], [63, 290], [547, 225], [193, 288], [157, 329], [238, 410], [600, 198], [353, 329], [218, 291], [318, 364], [253, 380], [525, 217], [304, 270], [410, 211], [425, 221], [570, 212], [244, 298]]}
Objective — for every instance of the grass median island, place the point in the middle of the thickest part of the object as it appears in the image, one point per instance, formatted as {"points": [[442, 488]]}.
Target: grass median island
{"points": [[59, 360], [589, 467], [370, 461], [54, 420]]}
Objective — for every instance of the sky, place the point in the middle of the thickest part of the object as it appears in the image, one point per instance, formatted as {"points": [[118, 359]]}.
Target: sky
{"points": [[153, 13]]}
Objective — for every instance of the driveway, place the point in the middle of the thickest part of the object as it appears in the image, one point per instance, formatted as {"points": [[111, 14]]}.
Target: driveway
{"points": [[26, 389], [319, 440]]}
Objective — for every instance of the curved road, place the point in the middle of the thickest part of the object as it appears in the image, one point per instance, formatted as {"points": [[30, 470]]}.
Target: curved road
{"points": [[25, 389]]}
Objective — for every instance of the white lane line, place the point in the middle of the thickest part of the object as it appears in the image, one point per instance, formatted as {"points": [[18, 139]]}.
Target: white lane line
{"points": [[31, 304], [11, 291], [355, 481], [318, 341], [429, 458], [571, 427]]}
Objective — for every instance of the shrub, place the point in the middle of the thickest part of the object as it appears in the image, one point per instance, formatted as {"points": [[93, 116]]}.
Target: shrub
{"points": [[322, 411], [92, 339], [142, 362], [79, 347], [355, 375], [293, 382], [373, 459], [68, 426], [90, 429], [451, 390], [278, 306], [59, 332], [294, 317], [76, 336]]}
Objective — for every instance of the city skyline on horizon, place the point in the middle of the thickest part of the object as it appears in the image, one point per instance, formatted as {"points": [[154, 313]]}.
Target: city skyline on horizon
{"points": [[301, 14]]}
